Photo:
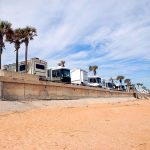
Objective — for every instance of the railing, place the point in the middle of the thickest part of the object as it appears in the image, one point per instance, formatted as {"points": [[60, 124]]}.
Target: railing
{"points": [[140, 95]]}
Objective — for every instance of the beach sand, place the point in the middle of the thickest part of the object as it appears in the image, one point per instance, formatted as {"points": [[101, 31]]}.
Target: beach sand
{"points": [[90, 124]]}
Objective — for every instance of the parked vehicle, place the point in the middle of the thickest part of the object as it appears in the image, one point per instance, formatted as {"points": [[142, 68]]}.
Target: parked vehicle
{"points": [[94, 81], [109, 85], [35, 66], [106, 84], [59, 74], [79, 77]]}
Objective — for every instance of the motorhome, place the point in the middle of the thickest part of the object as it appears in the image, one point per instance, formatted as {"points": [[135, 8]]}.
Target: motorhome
{"points": [[79, 77], [59, 74], [109, 85], [34, 66], [94, 81]]}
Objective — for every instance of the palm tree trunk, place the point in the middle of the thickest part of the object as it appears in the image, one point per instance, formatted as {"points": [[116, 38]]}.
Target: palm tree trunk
{"points": [[16, 60], [120, 84], [0, 57], [26, 55], [1, 49]]}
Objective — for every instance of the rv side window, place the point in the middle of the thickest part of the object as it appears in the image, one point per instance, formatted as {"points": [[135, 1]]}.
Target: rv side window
{"points": [[110, 85], [54, 73], [91, 80], [49, 73], [22, 67], [38, 66]]}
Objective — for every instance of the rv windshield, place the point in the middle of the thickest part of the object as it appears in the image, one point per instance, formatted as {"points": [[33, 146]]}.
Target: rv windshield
{"points": [[98, 80], [65, 73], [39, 66]]}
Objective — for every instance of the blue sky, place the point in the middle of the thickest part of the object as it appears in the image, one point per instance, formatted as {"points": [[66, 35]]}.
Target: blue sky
{"points": [[113, 34]]}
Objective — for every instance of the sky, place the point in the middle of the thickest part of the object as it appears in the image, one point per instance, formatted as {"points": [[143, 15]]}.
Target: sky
{"points": [[112, 34]]}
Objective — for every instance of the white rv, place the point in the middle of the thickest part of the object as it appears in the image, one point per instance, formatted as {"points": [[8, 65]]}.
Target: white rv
{"points": [[59, 74], [94, 81], [34, 66], [107, 84], [79, 77]]}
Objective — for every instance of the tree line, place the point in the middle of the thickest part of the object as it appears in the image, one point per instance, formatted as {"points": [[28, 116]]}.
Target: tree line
{"points": [[16, 37], [119, 77]]}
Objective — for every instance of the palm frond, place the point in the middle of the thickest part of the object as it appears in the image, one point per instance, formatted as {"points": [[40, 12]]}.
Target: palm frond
{"points": [[120, 77], [61, 63]]}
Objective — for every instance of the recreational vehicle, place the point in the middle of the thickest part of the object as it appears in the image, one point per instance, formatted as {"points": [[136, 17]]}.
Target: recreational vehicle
{"points": [[34, 66], [59, 74], [109, 85], [79, 77], [106, 84], [94, 81]]}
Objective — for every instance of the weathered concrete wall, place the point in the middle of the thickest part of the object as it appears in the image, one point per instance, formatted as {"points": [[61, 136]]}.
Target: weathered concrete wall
{"points": [[18, 76], [23, 86]]}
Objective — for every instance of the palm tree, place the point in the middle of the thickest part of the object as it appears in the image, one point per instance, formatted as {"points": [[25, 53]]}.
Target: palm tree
{"points": [[93, 68], [61, 63], [4, 28], [28, 34], [16, 37], [120, 78], [128, 82]]}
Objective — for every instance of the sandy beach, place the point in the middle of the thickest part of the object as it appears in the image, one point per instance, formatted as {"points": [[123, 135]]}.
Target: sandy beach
{"points": [[87, 124]]}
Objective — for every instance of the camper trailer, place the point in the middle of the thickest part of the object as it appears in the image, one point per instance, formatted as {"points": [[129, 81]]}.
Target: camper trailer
{"points": [[94, 81], [59, 74], [34, 66], [79, 77]]}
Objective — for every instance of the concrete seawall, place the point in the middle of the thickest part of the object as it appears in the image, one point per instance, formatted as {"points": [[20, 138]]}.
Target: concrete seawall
{"points": [[20, 86]]}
